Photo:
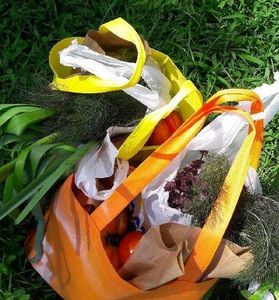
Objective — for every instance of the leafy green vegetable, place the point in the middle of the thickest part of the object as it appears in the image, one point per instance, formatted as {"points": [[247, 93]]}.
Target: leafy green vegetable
{"points": [[207, 187], [260, 293], [36, 155], [38, 245], [256, 218], [6, 116], [6, 169], [196, 187], [63, 169], [21, 185], [29, 190], [18, 124]]}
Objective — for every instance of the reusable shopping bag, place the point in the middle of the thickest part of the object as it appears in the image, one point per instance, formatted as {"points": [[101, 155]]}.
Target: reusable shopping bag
{"points": [[74, 261]]}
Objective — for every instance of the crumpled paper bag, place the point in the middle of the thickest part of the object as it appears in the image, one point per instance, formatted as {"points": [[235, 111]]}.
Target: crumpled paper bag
{"points": [[160, 255], [105, 42], [102, 162]]}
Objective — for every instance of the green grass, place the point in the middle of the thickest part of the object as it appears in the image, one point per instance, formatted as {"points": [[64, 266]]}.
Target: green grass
{"points": [[216, 43]]}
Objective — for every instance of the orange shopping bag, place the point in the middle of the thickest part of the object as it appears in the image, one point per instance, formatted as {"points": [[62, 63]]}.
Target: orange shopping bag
{"points": [[74, 261]]}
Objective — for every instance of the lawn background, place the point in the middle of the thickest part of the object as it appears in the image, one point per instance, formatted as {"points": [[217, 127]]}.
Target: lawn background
{"points": [[216, 43]]}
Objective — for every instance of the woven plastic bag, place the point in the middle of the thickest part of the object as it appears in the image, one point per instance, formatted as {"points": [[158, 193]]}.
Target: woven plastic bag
{"points": [[186, 97], [75, 263]]}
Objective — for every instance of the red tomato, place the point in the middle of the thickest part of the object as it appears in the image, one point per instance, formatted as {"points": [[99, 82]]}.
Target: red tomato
{"points": [[128, 245], [165, 128]]}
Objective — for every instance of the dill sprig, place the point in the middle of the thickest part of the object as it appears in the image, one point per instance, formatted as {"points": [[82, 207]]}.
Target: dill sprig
{"points": [[207, 187], [261, 232]]}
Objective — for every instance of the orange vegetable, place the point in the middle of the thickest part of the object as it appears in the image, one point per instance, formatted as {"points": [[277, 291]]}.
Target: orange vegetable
{"points": [[128, 245], [165, 128], [173, 121]]}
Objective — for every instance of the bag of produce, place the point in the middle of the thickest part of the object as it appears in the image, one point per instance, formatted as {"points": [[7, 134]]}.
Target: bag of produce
{"points": [[79, 253]]}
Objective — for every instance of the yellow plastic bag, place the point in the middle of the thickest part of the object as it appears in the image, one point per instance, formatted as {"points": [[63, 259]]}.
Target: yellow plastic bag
{"points": [[186, 96]]}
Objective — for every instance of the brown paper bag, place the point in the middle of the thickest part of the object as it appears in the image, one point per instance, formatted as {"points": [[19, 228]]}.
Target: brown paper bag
{"points": [[162, 251], [229, 260], [105, 43], [156, 260], [108, 41]]}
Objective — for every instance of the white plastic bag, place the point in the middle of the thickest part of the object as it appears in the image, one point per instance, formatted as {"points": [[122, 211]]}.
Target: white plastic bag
{"points": [[101, 163], [109, 68], [224, 135]]}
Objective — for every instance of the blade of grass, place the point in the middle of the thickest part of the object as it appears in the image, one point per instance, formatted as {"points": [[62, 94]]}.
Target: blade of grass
{"points": [[250, 58]]}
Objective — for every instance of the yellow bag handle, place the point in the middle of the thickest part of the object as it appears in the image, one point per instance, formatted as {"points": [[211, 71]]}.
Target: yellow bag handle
{"points": [[188, 98], [138, 138], [90, 83]]}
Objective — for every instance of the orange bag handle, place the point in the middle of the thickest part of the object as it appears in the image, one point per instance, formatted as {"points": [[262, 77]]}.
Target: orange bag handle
{"points": [[248, 155], [219, 218]]}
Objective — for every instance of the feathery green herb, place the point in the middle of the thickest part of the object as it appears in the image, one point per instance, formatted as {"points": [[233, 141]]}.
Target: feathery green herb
{"points": [[81, 118], [260, 231]]}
